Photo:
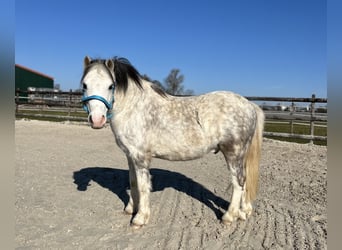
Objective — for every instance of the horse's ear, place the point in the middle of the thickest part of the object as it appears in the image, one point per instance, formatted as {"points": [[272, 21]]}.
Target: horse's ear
{"points": [[110, 65], [86, 61]]}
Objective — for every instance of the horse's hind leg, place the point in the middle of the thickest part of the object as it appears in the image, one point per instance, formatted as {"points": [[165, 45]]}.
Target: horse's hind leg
{"points": [[234, 212], [246, 206], [235, 163]]}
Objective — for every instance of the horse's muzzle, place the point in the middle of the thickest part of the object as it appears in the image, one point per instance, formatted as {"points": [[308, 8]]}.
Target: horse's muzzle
{"points": [[97, 121]]}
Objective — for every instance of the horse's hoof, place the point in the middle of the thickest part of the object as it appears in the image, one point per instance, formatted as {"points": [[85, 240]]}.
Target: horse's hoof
{"points": [[136, 227], [226, 222], [140, 219], [129, 209], [127, 212], [228, 219], [242, 215], [248, 210]]}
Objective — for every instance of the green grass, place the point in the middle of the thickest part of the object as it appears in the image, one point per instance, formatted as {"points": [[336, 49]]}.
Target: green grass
{"points": [[297, 129], [30, 114], [52, 112]]}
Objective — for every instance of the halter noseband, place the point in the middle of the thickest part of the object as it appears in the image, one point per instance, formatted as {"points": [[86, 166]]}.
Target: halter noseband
{"points": [[109, 105]]}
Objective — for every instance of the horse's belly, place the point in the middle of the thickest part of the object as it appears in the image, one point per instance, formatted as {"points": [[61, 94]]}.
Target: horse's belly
{"points": [[182, 153]]}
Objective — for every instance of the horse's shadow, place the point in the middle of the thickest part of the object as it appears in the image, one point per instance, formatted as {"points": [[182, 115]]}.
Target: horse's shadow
{"points": [[116, 180]]}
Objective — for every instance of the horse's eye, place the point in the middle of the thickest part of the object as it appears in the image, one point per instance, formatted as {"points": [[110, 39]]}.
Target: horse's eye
{"points": [[84, 86], [111, 87]]}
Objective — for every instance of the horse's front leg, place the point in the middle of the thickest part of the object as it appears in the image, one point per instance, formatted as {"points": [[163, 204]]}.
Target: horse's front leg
{"points": [[140, 182], [132, 205]]}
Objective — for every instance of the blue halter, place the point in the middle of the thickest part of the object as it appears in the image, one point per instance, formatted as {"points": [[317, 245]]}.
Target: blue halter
{"points": [[109, 105]]}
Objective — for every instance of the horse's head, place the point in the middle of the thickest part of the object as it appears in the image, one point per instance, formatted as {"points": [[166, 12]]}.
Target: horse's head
{"points": [[98, 90]]}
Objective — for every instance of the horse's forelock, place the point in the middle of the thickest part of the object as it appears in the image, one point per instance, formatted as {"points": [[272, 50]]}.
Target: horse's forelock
{"points": [[92, 64]]}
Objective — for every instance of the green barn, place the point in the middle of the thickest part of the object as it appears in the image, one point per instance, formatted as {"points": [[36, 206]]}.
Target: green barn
{"points": [[25, 77], [28, 79]]}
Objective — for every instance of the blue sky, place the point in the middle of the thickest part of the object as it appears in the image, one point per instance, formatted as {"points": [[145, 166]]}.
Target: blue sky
{"points": [[254, 48]]}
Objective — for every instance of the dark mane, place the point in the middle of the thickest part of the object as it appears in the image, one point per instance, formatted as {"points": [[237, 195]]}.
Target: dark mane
{"points": [[158, 90], [122, 70]]}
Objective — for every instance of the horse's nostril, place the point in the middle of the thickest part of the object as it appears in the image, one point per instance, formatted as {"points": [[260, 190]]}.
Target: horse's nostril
{"points": [[97, 120]]}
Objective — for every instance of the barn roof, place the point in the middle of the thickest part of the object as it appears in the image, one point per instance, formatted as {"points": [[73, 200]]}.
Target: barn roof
{"points": [[34, 71]]}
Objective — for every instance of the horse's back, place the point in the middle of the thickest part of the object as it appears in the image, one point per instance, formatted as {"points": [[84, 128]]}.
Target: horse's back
{"points": [[226, 114]]}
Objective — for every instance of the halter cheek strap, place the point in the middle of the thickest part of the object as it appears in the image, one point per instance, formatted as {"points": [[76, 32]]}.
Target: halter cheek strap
{"points": [[109, 105]]}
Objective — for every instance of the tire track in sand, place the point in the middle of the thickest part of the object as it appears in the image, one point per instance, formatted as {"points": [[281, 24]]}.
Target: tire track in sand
{"points": [[281, 227], [165, 208], [172, 209], [194, 216]]}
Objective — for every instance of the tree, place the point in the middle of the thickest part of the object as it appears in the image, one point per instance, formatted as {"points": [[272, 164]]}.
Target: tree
{"points": [[189, 92], [173, 83]]}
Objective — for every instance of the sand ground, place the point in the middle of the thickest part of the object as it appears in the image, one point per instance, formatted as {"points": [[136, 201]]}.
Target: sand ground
{"points": [[71, 187]]}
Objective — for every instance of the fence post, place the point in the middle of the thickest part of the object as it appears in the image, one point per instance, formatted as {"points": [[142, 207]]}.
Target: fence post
{"points": [[312, 117], [17, 101], [70, 96], [292, 110]]}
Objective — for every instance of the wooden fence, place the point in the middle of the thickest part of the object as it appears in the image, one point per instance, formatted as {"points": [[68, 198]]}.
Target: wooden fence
{"points": [[67, 106], [311, 115]]}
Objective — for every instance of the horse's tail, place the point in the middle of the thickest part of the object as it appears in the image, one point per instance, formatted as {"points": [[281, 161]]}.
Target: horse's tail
{"points": [[252, 157]]}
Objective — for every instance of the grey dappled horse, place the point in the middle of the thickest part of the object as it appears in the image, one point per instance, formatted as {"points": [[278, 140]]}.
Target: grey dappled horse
{"points": [[147, 123]]}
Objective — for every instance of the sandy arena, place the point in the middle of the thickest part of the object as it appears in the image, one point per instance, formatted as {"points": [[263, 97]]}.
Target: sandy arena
{"points": [[71, 187]]}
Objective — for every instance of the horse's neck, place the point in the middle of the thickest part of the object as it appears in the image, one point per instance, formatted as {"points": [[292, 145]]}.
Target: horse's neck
{"points": [[133, 96]]}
